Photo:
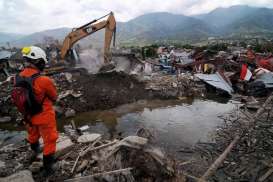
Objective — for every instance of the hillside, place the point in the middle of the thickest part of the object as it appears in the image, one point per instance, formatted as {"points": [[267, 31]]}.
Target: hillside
{"points": [[257, 22], [221, 17], [156, 26], [39, 37], [239, 20], [7, 37]]}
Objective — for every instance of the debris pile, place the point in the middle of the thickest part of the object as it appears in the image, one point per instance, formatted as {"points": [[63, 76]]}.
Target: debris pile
{"points": [[89, 157], [243, 71], [242, 148], [175, 86], [6, 108]]}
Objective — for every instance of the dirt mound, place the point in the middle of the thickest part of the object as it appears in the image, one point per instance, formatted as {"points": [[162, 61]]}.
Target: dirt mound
{"points": [[103, 91], [111, 89]]}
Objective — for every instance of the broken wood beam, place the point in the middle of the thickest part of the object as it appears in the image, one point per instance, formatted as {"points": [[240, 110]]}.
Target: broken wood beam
{"points": [[263, 108], [97, 148], [266, 175], [75, 164], [219, 160]]}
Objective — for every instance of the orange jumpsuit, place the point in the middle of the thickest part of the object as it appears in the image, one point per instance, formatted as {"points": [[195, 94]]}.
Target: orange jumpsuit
{"points": [[43, 124]]}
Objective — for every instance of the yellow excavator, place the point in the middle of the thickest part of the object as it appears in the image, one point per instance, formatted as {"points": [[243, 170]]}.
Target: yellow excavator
{"points": [[83, 31]]}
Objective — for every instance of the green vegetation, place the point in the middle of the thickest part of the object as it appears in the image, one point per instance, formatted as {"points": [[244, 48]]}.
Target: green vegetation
{"points": [[149, 51], [263, 48]]}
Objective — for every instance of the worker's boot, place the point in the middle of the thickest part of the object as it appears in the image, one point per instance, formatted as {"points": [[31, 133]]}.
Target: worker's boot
{"points": [[49, 166], [33, 153]]}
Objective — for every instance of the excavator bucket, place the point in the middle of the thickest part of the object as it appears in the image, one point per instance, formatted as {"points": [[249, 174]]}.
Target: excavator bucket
{"points": [[107, 68]]}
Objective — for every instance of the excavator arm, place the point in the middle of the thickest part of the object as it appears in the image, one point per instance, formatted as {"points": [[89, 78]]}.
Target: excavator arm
{"points": [[90, 28]]}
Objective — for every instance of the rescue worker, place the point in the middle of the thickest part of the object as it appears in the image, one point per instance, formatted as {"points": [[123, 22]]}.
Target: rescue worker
{"points": [[42, 124]]}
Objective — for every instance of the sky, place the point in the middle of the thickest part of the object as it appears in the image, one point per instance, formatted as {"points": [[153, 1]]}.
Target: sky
{"points": [[28, 16]]}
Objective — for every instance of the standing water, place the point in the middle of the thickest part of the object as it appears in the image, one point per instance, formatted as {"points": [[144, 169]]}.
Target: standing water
{"points": [[174, 123]]}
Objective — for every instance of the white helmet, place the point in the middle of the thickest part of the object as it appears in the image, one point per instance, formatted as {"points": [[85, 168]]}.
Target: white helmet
{"points": [[34, 52]]}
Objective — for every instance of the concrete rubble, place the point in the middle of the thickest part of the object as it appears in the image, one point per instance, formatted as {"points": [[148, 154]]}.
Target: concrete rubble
{"points": [[93, 158], [69, 113], [5, 119], [89, 138], [21, 176]]}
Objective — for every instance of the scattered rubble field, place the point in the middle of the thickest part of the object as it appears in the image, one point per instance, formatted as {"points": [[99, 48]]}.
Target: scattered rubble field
{"points": [[90, 158]]}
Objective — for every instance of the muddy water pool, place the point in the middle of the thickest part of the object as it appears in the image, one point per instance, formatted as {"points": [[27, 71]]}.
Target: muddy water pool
{"points": [[174, 123]]}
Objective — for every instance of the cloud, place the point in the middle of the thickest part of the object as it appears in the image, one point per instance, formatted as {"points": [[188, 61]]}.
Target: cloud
{"points": [[204, 6], [27, 16]]}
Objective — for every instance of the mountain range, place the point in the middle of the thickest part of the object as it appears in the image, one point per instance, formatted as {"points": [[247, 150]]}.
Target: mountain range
{"points": [[162, 26]]}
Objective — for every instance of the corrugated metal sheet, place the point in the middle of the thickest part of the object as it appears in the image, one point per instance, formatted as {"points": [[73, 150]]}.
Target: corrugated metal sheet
{"points": [[216, 81], [267, 79], [5, 54]]}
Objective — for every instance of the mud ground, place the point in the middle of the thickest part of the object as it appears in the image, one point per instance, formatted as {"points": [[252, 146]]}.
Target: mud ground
{"points": [[103, 91]]}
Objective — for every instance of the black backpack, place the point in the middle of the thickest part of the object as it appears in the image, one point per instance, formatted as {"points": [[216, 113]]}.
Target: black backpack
{"points": [[23, 96]]}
